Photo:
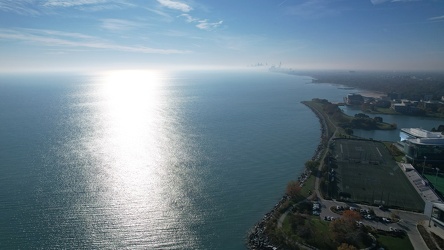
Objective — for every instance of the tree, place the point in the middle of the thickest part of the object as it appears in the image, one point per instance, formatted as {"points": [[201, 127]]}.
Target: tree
{"points": [[352, 216], [312, 165], [440, 127], [340, 228], [345, 228], [361, 115], [293, 189], [345, 246], [378, 119]]}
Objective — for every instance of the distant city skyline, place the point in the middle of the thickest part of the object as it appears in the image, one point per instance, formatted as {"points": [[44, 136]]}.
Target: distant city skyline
{"points": [[175, 34]]}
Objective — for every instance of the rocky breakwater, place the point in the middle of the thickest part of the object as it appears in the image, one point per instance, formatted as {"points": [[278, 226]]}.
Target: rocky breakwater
{"points": [[258, 238]]}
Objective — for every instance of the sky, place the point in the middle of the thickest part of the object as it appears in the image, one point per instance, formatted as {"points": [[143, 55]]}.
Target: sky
{"points": [[299, 34]]}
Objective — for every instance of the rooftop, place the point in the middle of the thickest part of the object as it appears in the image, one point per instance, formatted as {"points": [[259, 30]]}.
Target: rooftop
{"points": [[428, 141], [422, 133]]}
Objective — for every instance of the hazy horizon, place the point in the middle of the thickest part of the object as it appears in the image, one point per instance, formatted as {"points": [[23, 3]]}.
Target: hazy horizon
{"points": [[54, 35]]}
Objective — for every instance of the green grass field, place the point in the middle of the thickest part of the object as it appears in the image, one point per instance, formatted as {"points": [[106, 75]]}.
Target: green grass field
{"points": [[389, 242], [367, 173], [438, 182]]}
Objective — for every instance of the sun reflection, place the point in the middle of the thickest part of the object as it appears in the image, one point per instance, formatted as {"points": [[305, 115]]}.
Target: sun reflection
{"points": [[137, 148], [132, 110], [132, 97], [133, 126]]}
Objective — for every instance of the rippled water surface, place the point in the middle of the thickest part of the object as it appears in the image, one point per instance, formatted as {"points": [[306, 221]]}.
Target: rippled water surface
{"points": [[149, 160]]}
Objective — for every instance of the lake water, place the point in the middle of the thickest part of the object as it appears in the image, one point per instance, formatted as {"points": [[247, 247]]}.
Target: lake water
{"points": [[402, 121], [149, 160]]}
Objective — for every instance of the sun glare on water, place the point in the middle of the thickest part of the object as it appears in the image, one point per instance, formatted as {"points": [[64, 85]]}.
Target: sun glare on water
{"points": [[133, 119], [138, 150], [133, 105]]}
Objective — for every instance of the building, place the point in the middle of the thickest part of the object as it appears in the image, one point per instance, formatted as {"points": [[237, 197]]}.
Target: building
{"points": [[420, 145], [407, 107], [406, 167], [436, 212], [354, 99]]}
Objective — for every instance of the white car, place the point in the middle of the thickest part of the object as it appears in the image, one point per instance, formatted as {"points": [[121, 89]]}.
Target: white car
{"points": [[368, 217], [392, 229], [387, 220]]}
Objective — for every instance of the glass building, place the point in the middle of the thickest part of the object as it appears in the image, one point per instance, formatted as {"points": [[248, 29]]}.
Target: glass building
{"points": [[420, 145]]}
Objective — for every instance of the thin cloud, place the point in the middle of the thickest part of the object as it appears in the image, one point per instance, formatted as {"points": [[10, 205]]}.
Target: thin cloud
{"points": [[279, 5], [66, 3], [205, 25], [24, 7], [44, 7], [436, 18], [376, 2], [175, 5], [405, 1], [119, 24], [315, 9], [160, 13], [189, 18], [88, 5], [52, 38], [202, 24]]}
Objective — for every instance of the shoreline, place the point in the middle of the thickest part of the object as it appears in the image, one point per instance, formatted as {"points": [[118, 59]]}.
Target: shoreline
{"points": [[257, 237]]}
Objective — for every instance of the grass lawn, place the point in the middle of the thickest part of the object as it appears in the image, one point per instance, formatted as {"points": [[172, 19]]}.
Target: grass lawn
{"points": [[319, 238], [309, 185], [438, 183], [387, 111], [321, 227], [389, 242]]}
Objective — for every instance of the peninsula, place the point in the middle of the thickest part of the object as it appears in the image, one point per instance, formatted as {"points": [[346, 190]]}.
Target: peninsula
{"points": [[370, 206]]}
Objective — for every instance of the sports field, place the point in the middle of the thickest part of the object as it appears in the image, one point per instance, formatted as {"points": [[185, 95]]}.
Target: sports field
{"points": [[437, 181], [366, 173]]}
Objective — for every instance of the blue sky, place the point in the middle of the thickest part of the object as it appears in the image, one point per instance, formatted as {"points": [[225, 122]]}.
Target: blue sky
{"points": [[302, 34]]}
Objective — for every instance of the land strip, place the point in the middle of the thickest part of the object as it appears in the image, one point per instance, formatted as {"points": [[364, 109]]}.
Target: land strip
{"points": [[267, 234]]}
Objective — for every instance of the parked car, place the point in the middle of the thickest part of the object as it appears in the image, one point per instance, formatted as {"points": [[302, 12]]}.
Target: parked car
{"points": [[364, 211], [386, 220], [383, 208]]}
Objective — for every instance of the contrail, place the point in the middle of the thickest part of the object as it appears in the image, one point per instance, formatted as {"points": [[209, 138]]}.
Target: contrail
{"points": [[279, 5]]}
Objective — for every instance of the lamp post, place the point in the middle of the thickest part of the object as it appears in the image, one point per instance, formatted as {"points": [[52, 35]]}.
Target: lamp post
{"points": [[423, 165]]}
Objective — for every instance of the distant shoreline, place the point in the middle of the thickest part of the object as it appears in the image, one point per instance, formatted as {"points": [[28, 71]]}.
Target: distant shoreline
{"points": [[411, 85]]}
